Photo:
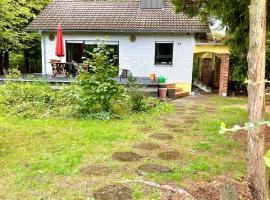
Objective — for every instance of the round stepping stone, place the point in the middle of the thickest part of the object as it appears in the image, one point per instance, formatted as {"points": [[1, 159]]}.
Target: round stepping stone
{"points": [[113, 192], [146, 146], [161, 136], [169, 155], [126, 156], [146, 129], [154, 168], [96, 170]]}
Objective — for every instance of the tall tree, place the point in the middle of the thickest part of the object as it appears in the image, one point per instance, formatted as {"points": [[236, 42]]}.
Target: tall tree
{"points": [[14, 16], [256, 100], [245, 23]]}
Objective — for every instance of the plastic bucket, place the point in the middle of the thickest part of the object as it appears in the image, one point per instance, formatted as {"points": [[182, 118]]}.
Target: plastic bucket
{"points": [[162, 93]]}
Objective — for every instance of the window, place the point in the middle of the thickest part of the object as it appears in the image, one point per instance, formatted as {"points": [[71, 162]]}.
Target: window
{"points": [[164, 53], [77, 50], [151, 4]]}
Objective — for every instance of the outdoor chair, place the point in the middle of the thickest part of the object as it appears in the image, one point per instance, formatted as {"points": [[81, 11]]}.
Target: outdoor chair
{"points": [[124, 74]]}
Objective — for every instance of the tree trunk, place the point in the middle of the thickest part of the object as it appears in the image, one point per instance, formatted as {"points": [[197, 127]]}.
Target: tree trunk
{"points": [[5, 62], [26, 62], [257, 182], [1, 63]]}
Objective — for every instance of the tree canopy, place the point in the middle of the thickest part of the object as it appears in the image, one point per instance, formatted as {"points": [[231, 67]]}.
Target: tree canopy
{"points": [[14, 16], [234, 17]]}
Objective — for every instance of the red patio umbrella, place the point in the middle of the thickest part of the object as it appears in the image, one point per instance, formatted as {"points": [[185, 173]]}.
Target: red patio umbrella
{"points": [[59, 49]]}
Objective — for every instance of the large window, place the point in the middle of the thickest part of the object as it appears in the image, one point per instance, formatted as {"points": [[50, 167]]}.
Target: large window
{"points": [[163, 53], [78, 50]]}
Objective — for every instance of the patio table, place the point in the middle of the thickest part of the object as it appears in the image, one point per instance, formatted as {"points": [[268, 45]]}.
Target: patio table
{"points": [[63, 68]]}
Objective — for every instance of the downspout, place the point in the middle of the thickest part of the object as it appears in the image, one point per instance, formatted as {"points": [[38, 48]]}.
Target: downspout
{"points": [[44, 53]]}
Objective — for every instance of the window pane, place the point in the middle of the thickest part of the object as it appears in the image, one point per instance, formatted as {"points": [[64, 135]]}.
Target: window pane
{"points": [[112, 48], [75, 52], [164, 53]]}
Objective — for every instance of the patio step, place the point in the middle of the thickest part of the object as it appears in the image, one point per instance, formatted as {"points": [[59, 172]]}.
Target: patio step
{"points": [[181, 94]]}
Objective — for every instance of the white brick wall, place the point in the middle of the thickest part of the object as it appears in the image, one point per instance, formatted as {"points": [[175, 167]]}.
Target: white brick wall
{"points": [[137, 56]]}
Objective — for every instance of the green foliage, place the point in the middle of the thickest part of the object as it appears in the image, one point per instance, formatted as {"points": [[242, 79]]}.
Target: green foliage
{"points": [[16, 60], [14, 73], [14, 16], [98, 88], [137, 96], [39, 99], [121, 107], [267, 159], [234, 16]]}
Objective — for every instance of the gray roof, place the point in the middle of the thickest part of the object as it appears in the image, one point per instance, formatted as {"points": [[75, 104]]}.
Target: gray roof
{"points": [[114, 16]]}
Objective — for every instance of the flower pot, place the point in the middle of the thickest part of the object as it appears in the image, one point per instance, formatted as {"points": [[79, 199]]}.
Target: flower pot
{"points": [[163, 93]]}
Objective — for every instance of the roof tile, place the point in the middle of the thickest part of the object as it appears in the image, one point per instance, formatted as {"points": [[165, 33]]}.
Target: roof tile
{"points": [[113, 16]]}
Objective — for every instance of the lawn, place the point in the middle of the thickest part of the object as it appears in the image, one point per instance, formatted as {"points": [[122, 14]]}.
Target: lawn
{"points": [[71, 159]]}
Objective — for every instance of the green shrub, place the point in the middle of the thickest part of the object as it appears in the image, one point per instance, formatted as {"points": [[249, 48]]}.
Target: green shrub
{"points": [[121, 107], [137, 96], [39, 99], [98, 88]]}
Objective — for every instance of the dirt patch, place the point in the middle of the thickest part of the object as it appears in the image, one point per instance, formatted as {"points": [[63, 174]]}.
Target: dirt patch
{"points": [[207, 193], [188, 117], [161, 136], [96, 170], [169, 155], [154, 168], [139, 122], [179, 130], [146, 146], [126, 156], [240, 136], [212, 190], [146, 129], [190, 121], [113, 192]]}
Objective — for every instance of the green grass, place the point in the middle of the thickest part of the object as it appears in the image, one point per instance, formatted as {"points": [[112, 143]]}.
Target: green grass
{"points": [[41, 158]]}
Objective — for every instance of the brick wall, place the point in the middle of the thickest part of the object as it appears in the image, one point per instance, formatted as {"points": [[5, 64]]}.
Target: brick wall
{"points": [[224, 74]]}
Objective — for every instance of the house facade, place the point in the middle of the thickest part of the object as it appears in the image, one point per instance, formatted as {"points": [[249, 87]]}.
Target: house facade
{"points": [[147, 36]]}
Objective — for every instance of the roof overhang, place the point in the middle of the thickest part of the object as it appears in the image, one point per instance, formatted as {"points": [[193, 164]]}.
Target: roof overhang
{"points": [[211, 48]]}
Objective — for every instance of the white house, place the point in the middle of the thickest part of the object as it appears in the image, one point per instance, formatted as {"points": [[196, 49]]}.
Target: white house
{"points": [[148, 36]]}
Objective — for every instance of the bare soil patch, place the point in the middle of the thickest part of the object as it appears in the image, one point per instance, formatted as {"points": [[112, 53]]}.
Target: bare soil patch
{"points": [[97, 170], [154, 168], [169, 155], [179, 130], [240, 136], [161, 136], [188, 117], [145, 129], [126, 156], [113, 192], [190, 121], [212, 190], [146, 146], [171, 126]]}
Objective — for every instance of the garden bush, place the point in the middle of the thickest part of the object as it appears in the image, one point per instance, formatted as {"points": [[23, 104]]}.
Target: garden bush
{"points": [[38, 99], [94, 95], [98, 87], [137, 96]]}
